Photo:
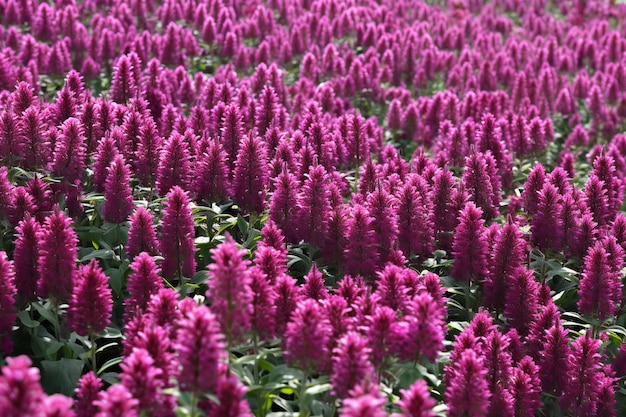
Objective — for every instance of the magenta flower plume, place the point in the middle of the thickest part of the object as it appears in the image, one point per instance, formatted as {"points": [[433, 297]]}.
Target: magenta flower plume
{"points": [[105, 154], [379, 334], [382, 207], [70, 152], [36, 149], [525, 388], [415, 225], [600, 287], [546, 223], [497, 360], [143, 381], [444, 215], [117, 401], [148, 157], [232, 134], [360, 254], [174, 166], [271, 261], [391, 290], [229, 289], [313, 207], [481, 182], [314, 285], [534, 184], [420, 332], [250, 176], [7, 303], [25, 256], [554, 364], [287, 297], [508, 254], [143, 283], [364, 401], [350, 364], [141, 234], [522, 300], [57, 257], [200, 349], [263, 308], [87, 390], [307, 336], [177, 236], [597, 200], [467, 393], [22, 205], [230, 395], [20, 390], [211, 180], [11, 139], [123, 86], [91, 302], [469, 246], [58, 405], [118, 195], [416, 401], [283, 205], [584, 377]]}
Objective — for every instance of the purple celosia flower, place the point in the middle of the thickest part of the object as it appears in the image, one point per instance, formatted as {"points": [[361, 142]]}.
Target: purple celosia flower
{"points": [[123, 86], [57, 257], [118, 195], [599, 288], [58, 405], [211, 174], [250, 175], [469, 246], [508, 254], [525, 389], [229, 289], [313, 206], [597, 200], [481, 182], [117, 401], [350, 364], [546, 225], [7, 303], [361, 255], [22, 205], [148, 157], [382, 207], [307, 336], [25, 257], [177, 236], [532, 187], [143, 283], [420, 332], [70, 152], [86, 393], [521, 299], [553, 360], [263, 309], [20, 391], [200, 349], [391, 290], [605, 391], [230, 395], [143, 380], [415, 225], [444, 215], [583, 377], [141, 234], [497, 360], [379, 334], [91, 302], [174, 166], [314, 285], [364, 401], [416, 401], [287, 297], [467, 393], [283, 206]]}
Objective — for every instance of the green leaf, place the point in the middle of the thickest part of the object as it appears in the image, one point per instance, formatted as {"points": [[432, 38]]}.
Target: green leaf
{"points": [[109, 364], [105, 254], [26, 320], [61, 376], [45, 313]]}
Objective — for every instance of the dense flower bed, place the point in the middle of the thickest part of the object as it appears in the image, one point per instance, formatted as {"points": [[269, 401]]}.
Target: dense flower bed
{"points": [[312, 207]]}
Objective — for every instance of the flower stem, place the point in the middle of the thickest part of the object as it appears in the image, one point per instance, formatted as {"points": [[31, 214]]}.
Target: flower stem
{"points": [[304, 412]]}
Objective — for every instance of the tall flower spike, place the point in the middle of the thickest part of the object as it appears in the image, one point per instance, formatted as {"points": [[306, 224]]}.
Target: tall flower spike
{"points": [[415, 225], [313, 208], [143, 380], [350, 364], [174, 166], [70, 152], [211, 181], [91, 302], [522, 300], [478, 180], [554, 364], [232, 135], [141, 234], [467, 393], [584, 377], [469, 247], [546, 223], [57, 257], [147, 159], [143, 283], [263, 308], [229, 290], [287, 297], [20, 390], [230, 395], [392, 291], [86, 393], [364, 401], [250, 177], [416, 401], [118, 195], [314, 286], [382, 207], [307, 336], [7, 303], [379, 334], [597, 289], [25, 257], [361, 256], [283, 205], [508, 254], [117, 401], [177, 236], [200, 350], [106, 152], [534, 184], [123, 86]]}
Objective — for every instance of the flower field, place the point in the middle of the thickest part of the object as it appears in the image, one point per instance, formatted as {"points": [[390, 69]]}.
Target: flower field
{"points": [[280, 208]]}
